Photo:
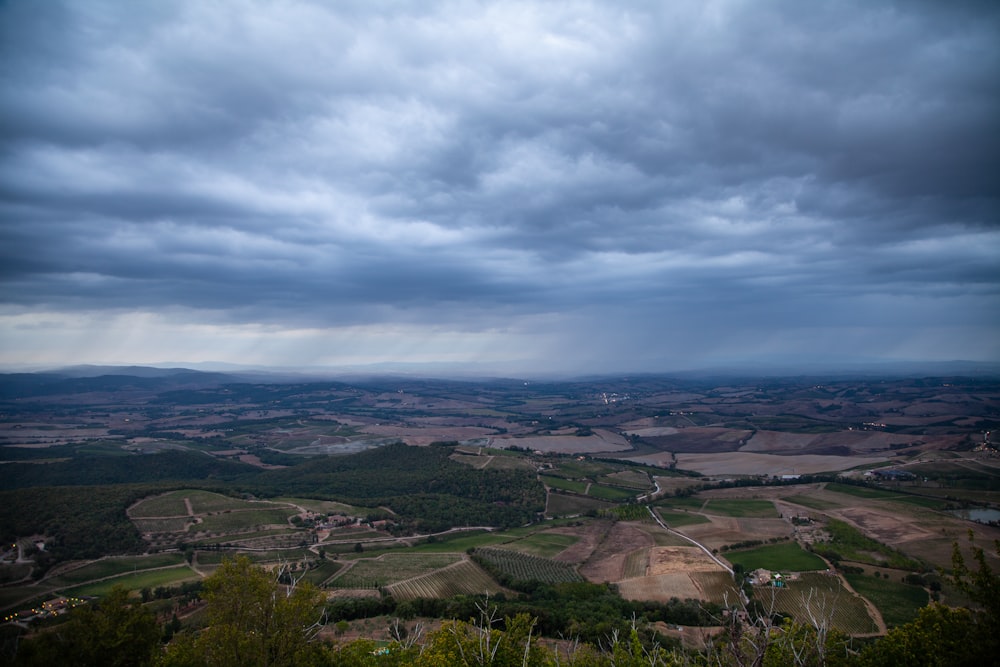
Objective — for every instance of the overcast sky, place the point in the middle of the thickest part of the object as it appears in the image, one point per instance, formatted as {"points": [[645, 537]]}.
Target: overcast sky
{"points": [[521, 186]]}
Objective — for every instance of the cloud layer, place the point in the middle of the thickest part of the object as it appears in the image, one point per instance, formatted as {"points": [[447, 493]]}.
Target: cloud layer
{"points": [[576, 186]]}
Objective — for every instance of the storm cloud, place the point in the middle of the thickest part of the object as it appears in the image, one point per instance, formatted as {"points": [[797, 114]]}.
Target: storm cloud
{"points": [[572, 187]]}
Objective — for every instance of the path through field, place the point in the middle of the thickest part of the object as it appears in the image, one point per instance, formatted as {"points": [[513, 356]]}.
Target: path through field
{"points": [[692, 541]]}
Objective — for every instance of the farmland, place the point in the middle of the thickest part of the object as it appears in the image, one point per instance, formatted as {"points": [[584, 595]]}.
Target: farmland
{"points": [[821, 596], [897, 602], [788, 557], [548, 482]]}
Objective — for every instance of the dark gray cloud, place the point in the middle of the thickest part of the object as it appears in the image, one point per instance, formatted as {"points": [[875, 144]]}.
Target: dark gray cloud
{"points": [[569, 186]]}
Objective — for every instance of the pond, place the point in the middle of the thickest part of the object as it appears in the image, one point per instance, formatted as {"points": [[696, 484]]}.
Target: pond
{"points": [[978, 514]]}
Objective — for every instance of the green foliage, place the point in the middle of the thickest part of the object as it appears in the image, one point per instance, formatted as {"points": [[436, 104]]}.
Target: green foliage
{"points": [[82, 522], [939, 637], [251, 620], [422, 485], [99, 470], [115, 633], [849, 543]]}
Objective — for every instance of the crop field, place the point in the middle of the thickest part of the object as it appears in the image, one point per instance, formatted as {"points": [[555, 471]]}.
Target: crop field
{"points": [[176, 524], [785, 557], [852, 544], [110, 567], [462, 578], [716, 587], [458, 542], [690, 503], [230, 522], [321, 506], [169, 504], [897, 602], [543, 544], [610, 492], [636, 563], [561, 504], [524, 567], [134, 582], [391, 568], [821, 595], [812, 502], [741, 508], [632, 479], [172, 504], [679, 519], [325, 570], [571, 485], [862, 491]]}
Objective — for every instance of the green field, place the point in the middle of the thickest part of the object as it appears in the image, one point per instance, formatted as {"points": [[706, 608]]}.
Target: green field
{"points": [[110, 567], [542, 544], [561, 504], [690, 503], [863, 491], [633, 479], [610, 492], [571, 485], [851, 544], [134, 582], [784, 557], [231, 522], [391, 568], [462, 578], [823, 596], [812, 503], [762, 509], [323, 506], [322, 572], [897, 602], [523, 567], [680, 519]]}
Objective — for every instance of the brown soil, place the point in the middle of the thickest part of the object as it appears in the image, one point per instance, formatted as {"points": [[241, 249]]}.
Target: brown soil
{"points": [[607, 562], [667, 560]]}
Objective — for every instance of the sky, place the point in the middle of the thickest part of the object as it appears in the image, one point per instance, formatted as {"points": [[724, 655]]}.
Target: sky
{"points": [[516, 187]]}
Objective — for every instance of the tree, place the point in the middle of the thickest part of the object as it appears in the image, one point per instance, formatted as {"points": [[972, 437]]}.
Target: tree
{"points": [[114, 633], [253, 621]]}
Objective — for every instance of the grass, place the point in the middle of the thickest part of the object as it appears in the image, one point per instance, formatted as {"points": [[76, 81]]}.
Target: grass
{"points": [[862, 491], [230, 522], [812, 502], [762, 509], [680, 519], [571, 485], [322, 506], [897, 602], [690, 503], [110, 567], [134, 582], [610, 492], [465, 578], [560, 504], [545, 545], [785, 557], [389, 569], [324, 571], [851, 544]]}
